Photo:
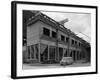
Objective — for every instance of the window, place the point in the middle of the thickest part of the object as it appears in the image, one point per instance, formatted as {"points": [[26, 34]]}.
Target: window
{"points": [[79, 44], [54, 34], [46, 31], [62, 38], [75, 42], [72, 42], [67, 39]]}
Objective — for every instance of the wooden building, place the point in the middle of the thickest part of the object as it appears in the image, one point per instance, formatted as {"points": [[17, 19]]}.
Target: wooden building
{"points": [[48, 40]]}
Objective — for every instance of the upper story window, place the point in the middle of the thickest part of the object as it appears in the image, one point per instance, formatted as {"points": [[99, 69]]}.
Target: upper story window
{"points": [[72, 42], [79, 44], [67, 39], [54, 34], [62, 38], [75, 42], [46, 31]]}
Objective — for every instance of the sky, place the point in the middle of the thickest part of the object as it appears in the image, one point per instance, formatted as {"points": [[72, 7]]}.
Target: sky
{"points": [[79, 23]]}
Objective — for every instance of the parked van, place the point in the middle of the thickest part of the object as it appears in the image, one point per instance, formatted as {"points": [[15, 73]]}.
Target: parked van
{"points": [[66, 61]]}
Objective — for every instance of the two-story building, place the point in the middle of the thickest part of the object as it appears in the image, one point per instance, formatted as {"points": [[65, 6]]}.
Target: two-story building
{"points": [[49, 40]]}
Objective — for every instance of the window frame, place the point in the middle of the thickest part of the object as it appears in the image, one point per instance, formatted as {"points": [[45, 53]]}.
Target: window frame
{"points": [[47, 32]]}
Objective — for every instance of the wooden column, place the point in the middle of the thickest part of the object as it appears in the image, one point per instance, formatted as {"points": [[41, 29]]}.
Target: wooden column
{"points": [[79, 56], [63, 53], [27, 51], [76, 55], [48, 52], [58, 53], [30, 53], [68, 52], [39, 53], [34, 52]]}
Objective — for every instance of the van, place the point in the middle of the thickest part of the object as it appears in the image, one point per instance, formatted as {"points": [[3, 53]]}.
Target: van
{"points": [[66, 61]]}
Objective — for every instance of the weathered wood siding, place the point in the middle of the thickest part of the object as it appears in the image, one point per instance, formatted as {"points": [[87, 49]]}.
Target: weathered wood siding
{"points": [[33, 33]]}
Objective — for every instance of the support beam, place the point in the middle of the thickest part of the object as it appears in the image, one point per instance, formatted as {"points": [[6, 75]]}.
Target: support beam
{"points": [[58, 53], [48, 52], [75, 55], [30, 52], [34, 52], [39, 53], [63, 53]]}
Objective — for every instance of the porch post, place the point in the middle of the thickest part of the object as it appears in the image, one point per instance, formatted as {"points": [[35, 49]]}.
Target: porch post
{"points": [[58, 53], [68, 52], [75, 55], [39, 53], [30, 52], [48, 52], [34, 52], [63, 53], [27, 52], [79, 55]]}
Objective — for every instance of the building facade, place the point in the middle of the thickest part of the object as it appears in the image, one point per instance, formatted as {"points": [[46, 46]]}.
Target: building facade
{"points": [[48, 40]]}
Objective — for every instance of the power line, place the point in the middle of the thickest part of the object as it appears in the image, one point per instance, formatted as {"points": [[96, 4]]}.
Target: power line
{"points": [[85, 35]]}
